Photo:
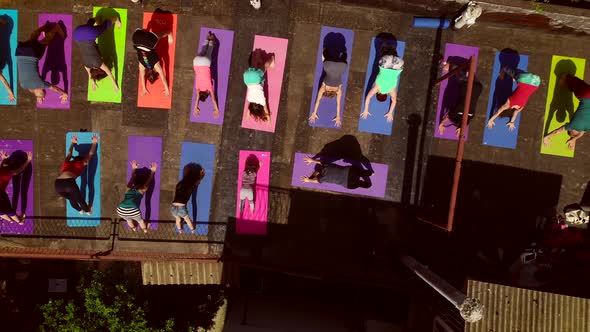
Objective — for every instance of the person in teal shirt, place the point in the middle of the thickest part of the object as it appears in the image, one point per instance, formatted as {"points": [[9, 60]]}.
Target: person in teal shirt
{"points": [[128, 209], [260, 61], [390, 68]]}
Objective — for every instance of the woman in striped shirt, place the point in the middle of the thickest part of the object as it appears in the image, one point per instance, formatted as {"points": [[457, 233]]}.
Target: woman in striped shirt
{"points": [[128, 209]]}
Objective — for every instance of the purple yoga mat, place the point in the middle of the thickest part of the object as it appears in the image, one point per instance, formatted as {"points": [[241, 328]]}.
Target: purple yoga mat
{"points": [[27, 175], [444, 96], [56, 65], [146, 150], [301, 168], [220, 63], [330, 38]]}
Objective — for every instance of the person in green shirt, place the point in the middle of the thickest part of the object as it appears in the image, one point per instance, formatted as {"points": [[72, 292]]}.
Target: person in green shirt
{"points": [[390, 68], [128, 209]]}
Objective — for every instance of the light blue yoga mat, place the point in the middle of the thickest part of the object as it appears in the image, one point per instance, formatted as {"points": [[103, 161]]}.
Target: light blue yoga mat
{"points": [[376, 122], [8, 35], [199, 205], [500, 91], [88, 182]]}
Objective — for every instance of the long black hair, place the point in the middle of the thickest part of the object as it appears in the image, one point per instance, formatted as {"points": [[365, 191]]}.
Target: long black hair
{"points": [[252, 164], [192, 173], [15, 160], [257, 112]]}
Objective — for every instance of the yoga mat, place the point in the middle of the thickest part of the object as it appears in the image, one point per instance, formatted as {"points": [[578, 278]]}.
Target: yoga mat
{"points": [[112, 48], [459, 51], [220, 64], [248, 223], [146, 150], [274, 78], [301, 168], [376, 122], [159, 22], [88, 181], [561, 104], [25, 191], [330, 38], [55, 66], [8, 40], [200, 202], [500, 91]]}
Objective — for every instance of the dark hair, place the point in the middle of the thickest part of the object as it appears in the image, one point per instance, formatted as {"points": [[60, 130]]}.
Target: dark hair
{"points": [[15, 160], [91, 21], [97, 74], [203, 95], [508, 113], [334, 55], [252, 164], [330, 94], [257, 112], [141, 176], [151, 75], [381, 97], [191, 175]]}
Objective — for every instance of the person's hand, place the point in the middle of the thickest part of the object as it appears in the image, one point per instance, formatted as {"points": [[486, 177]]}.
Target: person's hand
{"points": [[446, 67], [308, 160], [94, 139], [118, 23], [441, 129], [154, 167], [3, 154], [501, 74], [510, 126], [571, 143], [216, 113], [170, 38], [63, 98], [268, 120], [457, 132], [29, 156], [389, 116], [365, 114], [134, 164], [11, 97], [196, 110], [491, 123], [313, 117], [546, 141], [337, 122], [74, 139], [144, 92], [94, 86], [304, 179], [40, 100], [166, 92], [116, 88]]}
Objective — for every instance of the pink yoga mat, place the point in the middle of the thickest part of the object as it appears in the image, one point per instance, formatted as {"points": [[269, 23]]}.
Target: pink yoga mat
{"points": [[255, 223], [278, 46], [55, 66]]}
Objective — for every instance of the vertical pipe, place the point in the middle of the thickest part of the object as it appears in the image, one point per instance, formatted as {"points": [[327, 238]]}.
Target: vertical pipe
{"points": [[461, 145]]}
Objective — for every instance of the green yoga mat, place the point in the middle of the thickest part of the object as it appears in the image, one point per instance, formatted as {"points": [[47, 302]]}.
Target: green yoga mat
{"points": [[561, 104], [112, 48]]}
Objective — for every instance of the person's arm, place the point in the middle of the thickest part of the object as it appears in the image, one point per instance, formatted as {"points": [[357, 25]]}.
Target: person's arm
{"points": [[90, 78], [214, 101], [107, 70], [313, 178], [314, 114], [8, 89], [73, 142], [571, 143], [142, 79], [159, 70], [389, 114], [134, 166], [441, 126], [267, 112], [337, 121], [166, 34], [92, 149], [150, 178], [310, 160], [547, 138], [64, 95], [370, 95], [22, 168], [510, 124]]}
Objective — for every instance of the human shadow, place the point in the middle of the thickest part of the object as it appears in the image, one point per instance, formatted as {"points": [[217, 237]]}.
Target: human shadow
{"points": [[21, 182], [55, 58], [334, 49], [5, 50], [141, 176], [162, 21], [87, 183], [215, 65], [384, 43], [562, 104], [195, 205], [348, 149], [509, 58], [107, 44]]}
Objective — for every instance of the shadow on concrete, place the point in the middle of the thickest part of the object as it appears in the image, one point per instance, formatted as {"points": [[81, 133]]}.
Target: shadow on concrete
{"points": [[55, 58], [88, 174], [21, 182], [509, 58], [561, 107], [107, 44]]}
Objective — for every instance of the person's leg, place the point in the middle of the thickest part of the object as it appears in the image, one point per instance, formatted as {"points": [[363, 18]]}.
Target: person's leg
{"points": [[242, 199], [174, 212], [76, 196], [189, 222], [6, 210], [142, 224], [250, 197], [130, 223]]}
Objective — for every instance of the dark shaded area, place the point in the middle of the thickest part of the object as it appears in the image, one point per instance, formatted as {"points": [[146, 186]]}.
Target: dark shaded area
{"points": [[20, 188], [106, 43], [562, 104], [141, 176], [509, 58], [451, 96], [383, 43], [88, 174], [346, 148], [6, 51], [55, 58], [195, 205], [334, 49], [215, 65], [414, 121], [162, 21]]}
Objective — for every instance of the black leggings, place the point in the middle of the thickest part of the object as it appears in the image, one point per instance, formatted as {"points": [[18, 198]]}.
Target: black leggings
{"points": [[68, 189], [5, 205], [358, 177]]}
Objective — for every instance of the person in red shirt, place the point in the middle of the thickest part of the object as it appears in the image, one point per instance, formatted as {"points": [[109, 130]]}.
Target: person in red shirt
{"points": [[9, 167], [72, 167]]}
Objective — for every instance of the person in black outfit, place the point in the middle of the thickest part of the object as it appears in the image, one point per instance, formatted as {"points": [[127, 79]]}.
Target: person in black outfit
{"points": [[192, 174], [350, 177], [145, 42]]}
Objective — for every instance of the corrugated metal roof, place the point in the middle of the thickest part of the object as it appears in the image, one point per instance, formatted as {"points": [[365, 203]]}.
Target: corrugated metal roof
{"points": [[511, 309], [181, 273]]}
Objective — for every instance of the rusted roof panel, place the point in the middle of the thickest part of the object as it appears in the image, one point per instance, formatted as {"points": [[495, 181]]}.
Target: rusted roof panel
{"points": [[181, 273]]}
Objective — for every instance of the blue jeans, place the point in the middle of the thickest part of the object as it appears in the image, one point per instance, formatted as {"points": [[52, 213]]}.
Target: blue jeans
{"points": [[179, 211]]}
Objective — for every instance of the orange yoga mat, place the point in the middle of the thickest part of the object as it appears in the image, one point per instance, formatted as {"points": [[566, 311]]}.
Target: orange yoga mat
{"points": [[159, 22]]}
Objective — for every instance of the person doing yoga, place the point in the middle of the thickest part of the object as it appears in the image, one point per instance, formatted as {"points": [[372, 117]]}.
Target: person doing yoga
{"points": [[10, 166], [249, 174], [85, 37], [390, 68], [331, 87], [3, 80], [150, 68], [350, 177], [203, 81], [128, 209], [526, 85], [28, 53], [580, 123], [260, 61], [192, 174]]}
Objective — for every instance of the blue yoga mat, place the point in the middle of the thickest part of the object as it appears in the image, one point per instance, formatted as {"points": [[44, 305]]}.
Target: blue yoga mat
{"points": [[199, 205], [88, 182], [8, 35], [500, 91], [376, 122], [331, 38]]}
